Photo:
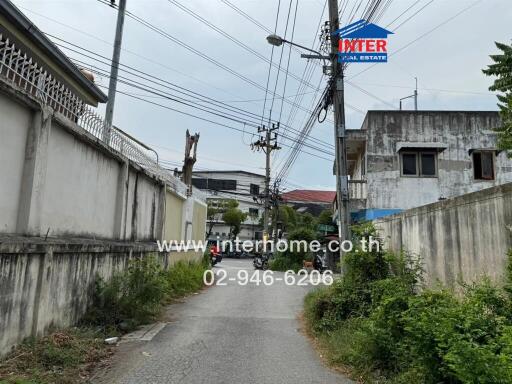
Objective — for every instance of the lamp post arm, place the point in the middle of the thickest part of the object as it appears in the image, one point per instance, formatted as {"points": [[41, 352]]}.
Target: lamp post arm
{"points": [[302, 47]]}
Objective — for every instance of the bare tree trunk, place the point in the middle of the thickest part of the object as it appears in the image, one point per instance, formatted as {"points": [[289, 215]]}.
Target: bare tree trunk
{"points": [[190, 159]]}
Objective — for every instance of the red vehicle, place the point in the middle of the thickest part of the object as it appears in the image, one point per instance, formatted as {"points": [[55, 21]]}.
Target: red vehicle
{"points": [[215, 254]]}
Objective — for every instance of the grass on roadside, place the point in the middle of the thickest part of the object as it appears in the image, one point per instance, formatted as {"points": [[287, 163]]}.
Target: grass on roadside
{"points": [[66, 356]]}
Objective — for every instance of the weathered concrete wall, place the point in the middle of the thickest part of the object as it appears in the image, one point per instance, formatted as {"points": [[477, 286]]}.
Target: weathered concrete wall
{"points": [[50, 284], [456, 131], [58, 180], [462, 238]]}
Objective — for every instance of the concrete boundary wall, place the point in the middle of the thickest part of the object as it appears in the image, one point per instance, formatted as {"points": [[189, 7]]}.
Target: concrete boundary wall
{"points": [[72, 208], [69, 183], [463, 238], [45, 284]]}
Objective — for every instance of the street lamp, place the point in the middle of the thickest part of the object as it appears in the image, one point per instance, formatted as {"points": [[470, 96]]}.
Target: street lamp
{"points": [[277, 41]]}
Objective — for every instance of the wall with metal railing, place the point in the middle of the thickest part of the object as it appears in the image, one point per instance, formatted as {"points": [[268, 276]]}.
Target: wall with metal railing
{"points": [[36, 81], [75, 180]]}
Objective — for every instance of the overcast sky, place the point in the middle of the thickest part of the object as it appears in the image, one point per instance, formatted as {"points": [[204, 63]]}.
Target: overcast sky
{"points": [[446, 61]]}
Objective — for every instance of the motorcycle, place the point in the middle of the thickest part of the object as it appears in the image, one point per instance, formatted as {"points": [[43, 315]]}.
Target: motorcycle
{"points": [[260, 262], [319, 264], [215, 256]]}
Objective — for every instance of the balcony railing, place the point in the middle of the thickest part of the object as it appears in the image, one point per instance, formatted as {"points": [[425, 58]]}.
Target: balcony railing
{"points": [[357, 189]]}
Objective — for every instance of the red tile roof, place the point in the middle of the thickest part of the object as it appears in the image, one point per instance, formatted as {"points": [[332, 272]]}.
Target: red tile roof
{"points": [[309, 195]]}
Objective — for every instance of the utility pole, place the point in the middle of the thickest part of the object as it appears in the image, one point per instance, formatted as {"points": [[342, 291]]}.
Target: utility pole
{"points": [[342, 193], [275, 204], [109, 114], [267, 143]]}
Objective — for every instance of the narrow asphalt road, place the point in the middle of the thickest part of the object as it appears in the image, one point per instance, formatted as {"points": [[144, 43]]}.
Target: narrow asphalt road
{"points": [[227, 334]]}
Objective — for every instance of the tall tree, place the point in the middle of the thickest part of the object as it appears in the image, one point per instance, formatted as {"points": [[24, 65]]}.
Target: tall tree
{"points": [[325, 217], [234, 217], [502, 70], [215, 211]]}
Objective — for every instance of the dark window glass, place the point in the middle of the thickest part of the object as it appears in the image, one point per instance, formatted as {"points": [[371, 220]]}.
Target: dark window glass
{"points": [[255, 189], [487, 166], [199, 183], [229, 185], [253, 211], [214, 184], [409, 164], [428, 164], [483, 165], [221, 185], [477, 165]]}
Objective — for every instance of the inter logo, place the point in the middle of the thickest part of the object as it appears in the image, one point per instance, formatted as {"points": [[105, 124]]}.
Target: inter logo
{"points": [[362, 42]]}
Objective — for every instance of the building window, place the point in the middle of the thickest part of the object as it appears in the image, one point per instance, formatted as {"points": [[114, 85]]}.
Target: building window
{"points": [[428, 164], [419, 164], [483, 165], [255, 189], [200, 183], [254, 212], [409, 162], [214, 184]]}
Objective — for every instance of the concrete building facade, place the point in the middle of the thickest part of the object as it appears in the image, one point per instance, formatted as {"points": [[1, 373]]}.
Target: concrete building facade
{"points": [[404, 159], [246, 188]]}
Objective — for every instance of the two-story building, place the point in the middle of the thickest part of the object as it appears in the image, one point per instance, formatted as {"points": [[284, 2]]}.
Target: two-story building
{"points": [[404, 159], [245, 187]]}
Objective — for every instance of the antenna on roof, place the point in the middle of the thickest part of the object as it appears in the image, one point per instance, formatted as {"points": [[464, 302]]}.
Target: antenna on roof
{"points": [[415, 95]]}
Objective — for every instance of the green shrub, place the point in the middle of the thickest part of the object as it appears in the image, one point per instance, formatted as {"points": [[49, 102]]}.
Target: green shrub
{"points": [[376, 320], [283, 264], [184, 278], [131, 297], [292, 260], [136, 295]]}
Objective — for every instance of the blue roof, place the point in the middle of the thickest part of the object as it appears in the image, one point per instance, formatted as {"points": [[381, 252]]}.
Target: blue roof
{"points": [[363, 30]]}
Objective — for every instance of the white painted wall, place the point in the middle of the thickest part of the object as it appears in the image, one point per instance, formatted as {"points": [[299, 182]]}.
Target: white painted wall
{"points": [[14, 123], [80, 189], [70, 184]]}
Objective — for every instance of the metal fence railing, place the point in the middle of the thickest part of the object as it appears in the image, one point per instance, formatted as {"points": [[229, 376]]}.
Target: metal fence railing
{"points": [[32, 78]]}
